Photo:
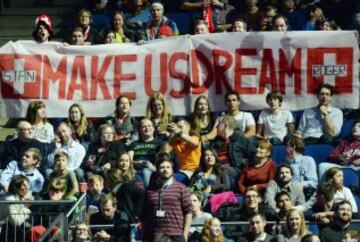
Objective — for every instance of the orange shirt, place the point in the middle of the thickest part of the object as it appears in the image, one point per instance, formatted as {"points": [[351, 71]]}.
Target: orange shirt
{"points": [[188, 156]]}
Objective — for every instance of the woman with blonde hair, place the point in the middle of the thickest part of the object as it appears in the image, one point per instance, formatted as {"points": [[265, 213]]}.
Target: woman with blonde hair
{"points": [[158, 112], [295, 227], [36, 116], [82, 128], [81, 233], [212, 231]]}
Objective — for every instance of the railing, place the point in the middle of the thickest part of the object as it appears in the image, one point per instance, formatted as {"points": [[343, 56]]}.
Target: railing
{"points": [[52, 225]]}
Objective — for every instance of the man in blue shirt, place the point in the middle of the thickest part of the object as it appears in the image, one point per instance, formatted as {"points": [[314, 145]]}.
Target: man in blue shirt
{"points": [[303, 167], [27, 167], [321, 124]]}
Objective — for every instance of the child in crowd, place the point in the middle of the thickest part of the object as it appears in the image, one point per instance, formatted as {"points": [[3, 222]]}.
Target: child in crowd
{"points": [[96, 186], [61, 172]]}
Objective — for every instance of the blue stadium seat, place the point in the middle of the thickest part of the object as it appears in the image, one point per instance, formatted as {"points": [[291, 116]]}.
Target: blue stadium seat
{"points": [[319, 152], [346, 129], [297, 115], [183, 21], [351, 178], [314, 228], [279, 154]]}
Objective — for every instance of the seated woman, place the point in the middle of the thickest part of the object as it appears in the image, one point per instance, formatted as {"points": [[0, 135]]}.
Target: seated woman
{"points": [[334, 178], [260, 170], [36, 116], [323, 209], [295, 227], [126, 127], [199, 216], [212, 231], [346, 154], [15, 216], [119, 28], [130, 194], [82, 128], [61, 172], [275, 123], [157, 111], [201, 119], [210, 177], [102, 152]]}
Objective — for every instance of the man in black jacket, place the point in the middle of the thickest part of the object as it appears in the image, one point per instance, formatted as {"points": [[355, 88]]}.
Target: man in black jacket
{"points": [[109, 215]]}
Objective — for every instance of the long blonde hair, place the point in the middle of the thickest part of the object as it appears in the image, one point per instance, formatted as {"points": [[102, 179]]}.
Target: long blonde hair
{"points": [[165, 116], [81, 129], [303, 228], [206, 235]]}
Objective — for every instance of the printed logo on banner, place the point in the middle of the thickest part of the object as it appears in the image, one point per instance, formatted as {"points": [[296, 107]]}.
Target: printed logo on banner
{"points": [[330, 65], [20, 76]]}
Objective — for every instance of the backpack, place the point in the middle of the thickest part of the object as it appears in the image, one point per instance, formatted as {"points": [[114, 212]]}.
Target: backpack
{"points": [[230, 212]]}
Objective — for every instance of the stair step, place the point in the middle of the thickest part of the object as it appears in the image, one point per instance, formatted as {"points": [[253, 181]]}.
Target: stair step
{"points": [[33, 11], [11, 21]]}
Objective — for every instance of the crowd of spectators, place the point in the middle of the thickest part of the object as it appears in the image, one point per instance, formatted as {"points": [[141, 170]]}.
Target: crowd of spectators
{"points": [[165, 173], [101, 22]]}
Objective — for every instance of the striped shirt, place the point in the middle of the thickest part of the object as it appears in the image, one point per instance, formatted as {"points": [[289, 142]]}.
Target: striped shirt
{"points": [[175, 201]]}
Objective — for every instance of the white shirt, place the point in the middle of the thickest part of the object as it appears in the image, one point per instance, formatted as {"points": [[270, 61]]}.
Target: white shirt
{"points": [[275, 125], [242, 120]]}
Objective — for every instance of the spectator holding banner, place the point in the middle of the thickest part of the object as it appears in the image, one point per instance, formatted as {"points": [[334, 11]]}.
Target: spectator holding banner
{"points": [[43, 29], [157, 20]]}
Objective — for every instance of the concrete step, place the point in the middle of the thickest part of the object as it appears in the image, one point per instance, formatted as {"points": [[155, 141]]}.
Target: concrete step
{"points": [[43, 3]]}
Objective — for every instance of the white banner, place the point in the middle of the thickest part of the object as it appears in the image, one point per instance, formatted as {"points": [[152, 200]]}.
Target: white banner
{"points": [[182, 68]]}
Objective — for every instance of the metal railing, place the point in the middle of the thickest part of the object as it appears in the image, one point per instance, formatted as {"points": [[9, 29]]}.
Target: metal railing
{"points": [[51, 225]]}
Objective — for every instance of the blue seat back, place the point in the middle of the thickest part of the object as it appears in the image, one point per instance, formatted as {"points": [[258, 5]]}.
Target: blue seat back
{"points": [[319, 152], [279, 154]]}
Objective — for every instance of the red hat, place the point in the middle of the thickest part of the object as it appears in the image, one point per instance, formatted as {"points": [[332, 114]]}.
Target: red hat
{"points": [[44, 19], [165, 30]]}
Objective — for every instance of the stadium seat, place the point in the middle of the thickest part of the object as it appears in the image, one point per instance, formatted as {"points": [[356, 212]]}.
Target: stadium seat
{"points": [[182, 20], [319, 152], [351, 179], [346, 129], [314, 228], [297, 115], [279, 154]]}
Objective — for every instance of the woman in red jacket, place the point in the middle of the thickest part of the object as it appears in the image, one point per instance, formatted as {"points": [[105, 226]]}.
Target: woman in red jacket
{"points": [[260, 170]]}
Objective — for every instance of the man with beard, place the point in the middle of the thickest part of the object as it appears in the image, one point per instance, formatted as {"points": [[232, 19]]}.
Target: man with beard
{"points": [[284, 182], [340, 225], [43, 29], [257, 230], [283, 204], [168, 207], [323, 123]]}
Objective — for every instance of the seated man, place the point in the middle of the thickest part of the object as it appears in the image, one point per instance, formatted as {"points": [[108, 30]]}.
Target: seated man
{"points": [[283, 204], [275, 123], [284, 182], [110, 215], [234, 150], [346, 154], [323, 123], [143, 150], [257, 230], [186, 145], [303, 166], [27, 167], [73, 148], [15, 148], [340, 225]]}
